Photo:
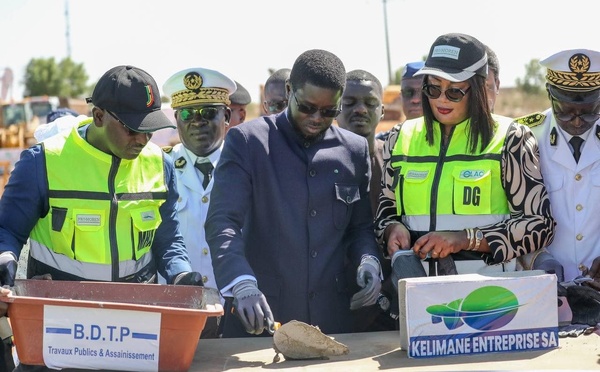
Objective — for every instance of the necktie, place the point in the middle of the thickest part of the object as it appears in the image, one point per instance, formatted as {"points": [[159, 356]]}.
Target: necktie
{"points": [[206, 168], [576, 142]]}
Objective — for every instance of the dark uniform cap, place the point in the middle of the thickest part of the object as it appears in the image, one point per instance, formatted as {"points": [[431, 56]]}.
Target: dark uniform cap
{"points": [[132, 95], [411, 68], [59, 113], [456, 57], [198, 86], [573, 76], [240, 96]]}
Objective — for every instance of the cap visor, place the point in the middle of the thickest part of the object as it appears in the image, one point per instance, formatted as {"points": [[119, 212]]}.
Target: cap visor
{"points": [[146, 122], [453, 77], [574, 96]]}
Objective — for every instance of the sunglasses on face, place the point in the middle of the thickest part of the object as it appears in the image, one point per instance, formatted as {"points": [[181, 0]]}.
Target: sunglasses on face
{"points": [[588, 118], [409, 92], [186, 115], [453, 94], [309, 110], [276, 106], [129, 131]]}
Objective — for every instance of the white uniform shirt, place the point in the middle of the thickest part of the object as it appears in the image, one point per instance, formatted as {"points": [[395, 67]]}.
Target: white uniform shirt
{"points": [[574, 190], [192, 208]]}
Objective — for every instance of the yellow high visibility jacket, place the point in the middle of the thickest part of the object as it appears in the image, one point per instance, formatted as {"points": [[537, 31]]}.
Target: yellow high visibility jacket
{"points": [[103, 213], [448, 188]]}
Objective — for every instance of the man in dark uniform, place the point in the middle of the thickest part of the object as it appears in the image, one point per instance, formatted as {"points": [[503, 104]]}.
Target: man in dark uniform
{"points": [[300, 207]]}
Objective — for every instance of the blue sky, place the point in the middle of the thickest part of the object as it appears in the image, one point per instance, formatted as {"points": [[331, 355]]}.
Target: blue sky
{"points": [[244, 38]]}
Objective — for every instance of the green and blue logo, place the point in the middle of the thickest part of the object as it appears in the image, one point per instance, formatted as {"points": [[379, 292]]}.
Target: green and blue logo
{"points": [[486, 308]]}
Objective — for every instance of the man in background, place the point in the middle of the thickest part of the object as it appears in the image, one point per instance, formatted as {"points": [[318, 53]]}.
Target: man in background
{"points": [[275, 97], [410, 94], [362, 109], [492, 82], [239, 100]]}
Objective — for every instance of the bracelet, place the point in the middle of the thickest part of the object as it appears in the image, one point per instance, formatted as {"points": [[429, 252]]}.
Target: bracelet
{"points": [[471, 238]]}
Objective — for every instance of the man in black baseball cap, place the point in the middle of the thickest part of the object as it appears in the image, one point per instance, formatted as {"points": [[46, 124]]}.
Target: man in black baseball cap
{"points": [[98, 202]]}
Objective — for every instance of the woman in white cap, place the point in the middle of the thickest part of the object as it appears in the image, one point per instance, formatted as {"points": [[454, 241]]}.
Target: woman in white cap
{"points": [[459, 183]]}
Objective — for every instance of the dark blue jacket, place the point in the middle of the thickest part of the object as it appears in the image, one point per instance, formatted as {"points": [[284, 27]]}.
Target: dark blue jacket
{"points": [[288, 212]]}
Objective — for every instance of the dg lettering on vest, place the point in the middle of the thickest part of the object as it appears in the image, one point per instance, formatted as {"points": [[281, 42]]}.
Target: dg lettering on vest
{"points": [[472, 191]]}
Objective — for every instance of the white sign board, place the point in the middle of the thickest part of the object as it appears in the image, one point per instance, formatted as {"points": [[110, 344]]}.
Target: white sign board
{"points": [[474, 314], [79, 337]]}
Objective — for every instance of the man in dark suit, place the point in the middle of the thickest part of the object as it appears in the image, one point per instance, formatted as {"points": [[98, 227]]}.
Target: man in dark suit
{"points": [[299, 206]]}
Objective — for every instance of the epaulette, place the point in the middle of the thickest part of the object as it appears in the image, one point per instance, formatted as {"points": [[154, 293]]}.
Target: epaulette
{"points": [[167, 149], [531, 120], [180, 163]]}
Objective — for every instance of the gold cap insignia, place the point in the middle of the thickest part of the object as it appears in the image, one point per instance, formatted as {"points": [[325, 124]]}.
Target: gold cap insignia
{"points": [[578, 79], [196, 94]]}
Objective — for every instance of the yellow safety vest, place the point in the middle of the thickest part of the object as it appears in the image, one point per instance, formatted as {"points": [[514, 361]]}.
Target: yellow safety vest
{"points": [[104, 211], [448, 188]]}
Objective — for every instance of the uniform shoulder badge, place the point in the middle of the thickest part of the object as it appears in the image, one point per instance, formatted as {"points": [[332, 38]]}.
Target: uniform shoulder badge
{"points": [[180, 163], [531, 120], [167, 149]]}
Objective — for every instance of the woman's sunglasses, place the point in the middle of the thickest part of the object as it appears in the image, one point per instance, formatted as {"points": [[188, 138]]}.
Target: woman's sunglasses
{"points": [[453, 94], [204, 113]]}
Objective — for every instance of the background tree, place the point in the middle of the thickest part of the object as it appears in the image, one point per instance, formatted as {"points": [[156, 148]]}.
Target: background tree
{"points": [[534, 81], [65, 79]]}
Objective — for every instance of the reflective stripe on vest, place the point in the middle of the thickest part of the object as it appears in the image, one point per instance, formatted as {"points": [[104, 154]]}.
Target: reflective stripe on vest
{"points": [[90, 271], [104, 211], [448, 189]]}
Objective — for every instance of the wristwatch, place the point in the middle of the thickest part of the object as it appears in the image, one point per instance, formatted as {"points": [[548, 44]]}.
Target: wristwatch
{"points": [[478, 238]]}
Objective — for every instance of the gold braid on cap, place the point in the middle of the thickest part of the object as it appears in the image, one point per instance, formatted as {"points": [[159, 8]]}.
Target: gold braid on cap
{"points": [[579, 79], [195, 94]]}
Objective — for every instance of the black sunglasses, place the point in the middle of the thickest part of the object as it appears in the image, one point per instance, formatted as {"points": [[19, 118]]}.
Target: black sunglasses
{"points": [[129, 131], [453, 94], [567, 117], [276, 106], [309, 110], [186, 115]]}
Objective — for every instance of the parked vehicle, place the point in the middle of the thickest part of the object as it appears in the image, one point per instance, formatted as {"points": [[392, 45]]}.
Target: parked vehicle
{"points": [[18, 120]]}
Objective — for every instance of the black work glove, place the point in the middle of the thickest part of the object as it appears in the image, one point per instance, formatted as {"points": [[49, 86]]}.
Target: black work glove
{"points": [[8, 268], [251, 307], [406, 264], [585, 305], [189, 278]]}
